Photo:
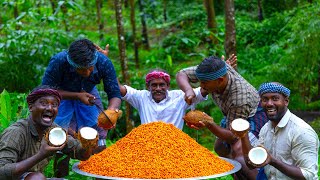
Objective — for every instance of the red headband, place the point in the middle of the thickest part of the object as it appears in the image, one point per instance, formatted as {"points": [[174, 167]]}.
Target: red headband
{"points": [[157, 75], [33, 96]]}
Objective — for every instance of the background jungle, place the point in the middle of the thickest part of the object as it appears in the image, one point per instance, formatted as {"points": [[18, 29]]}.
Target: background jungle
{"points": [[275, 40]]}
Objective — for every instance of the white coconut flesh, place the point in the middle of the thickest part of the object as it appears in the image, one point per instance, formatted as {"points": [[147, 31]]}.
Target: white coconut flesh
{"points": [[258, 155], [240, 125], [57, 136], [88, 133]]}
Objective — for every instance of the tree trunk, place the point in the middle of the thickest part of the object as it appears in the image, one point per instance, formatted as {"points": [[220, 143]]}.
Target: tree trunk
{"points": [[134, 38], [125, 3], [53, 6], [318, 96], [211, 21], [145, 39], [165, 10], [15, 10], [64, 10], [99, 19], [230, 41], [260, 14], [123, 58]]}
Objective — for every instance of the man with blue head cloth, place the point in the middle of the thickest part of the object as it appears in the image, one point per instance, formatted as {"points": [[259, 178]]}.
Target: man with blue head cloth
{"points": [[235, 97], [76, 72], [291, 143]]}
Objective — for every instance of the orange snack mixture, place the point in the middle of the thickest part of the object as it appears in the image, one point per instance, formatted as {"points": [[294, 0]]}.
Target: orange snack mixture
{"points": [[155, 151]]}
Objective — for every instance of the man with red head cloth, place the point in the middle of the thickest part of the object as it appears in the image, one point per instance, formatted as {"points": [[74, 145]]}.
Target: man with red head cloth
{"points": [[157, 102]]}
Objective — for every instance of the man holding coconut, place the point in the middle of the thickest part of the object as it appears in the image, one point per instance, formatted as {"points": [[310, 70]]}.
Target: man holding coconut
{"points": [[24, 148], [235, 97], [292, 145], [76, 72]]}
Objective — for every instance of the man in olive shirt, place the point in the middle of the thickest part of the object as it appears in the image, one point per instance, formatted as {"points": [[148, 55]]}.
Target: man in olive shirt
{"points": [[24, 152]]}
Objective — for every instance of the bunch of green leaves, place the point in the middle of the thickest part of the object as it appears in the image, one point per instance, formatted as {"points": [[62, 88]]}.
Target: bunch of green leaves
{"points": [[12, 107]]}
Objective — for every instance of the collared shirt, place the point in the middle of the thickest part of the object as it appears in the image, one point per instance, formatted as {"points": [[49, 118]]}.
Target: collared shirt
{"points": [[293, 142], [169, 110], [239, 100], [61, 74], [21, 141]]}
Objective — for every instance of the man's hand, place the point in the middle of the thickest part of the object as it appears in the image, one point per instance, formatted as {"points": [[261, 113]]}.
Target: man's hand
{"points": [[189, 96], [103, 51], [199, 126], [46, 150], [232, 61], [86, 98]]}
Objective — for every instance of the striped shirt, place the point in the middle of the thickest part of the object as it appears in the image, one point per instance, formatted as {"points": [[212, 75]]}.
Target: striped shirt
{"points": [[239, 100]]}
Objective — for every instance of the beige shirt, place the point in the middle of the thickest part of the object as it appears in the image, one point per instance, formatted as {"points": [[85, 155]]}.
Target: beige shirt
{"points": [[294, 142]]}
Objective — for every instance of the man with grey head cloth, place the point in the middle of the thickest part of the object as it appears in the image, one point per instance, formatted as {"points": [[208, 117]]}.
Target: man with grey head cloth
{"points": [[235, 97], [291, 143]]}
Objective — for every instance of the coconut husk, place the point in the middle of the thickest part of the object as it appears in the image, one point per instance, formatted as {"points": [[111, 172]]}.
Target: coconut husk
{"points": [[193, 117], [47, 133], [113, 117], [87, 143]]}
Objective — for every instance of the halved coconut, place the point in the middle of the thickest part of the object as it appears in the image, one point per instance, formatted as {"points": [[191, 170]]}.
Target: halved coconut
{"points": [[88, 137], [240, 127], [258, 155], [57, 136]]}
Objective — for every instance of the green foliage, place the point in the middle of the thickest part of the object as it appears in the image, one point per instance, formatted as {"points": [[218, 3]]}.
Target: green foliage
{"points": [[287, 43], [12, 107], [284, 47]]}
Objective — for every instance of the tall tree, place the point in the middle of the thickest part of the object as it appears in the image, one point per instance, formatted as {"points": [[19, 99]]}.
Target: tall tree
{"points": [[64, 10], [211, 20], [123, 58], [260, 14], [230, 41], [15, 10], [53, 5], [165, 10], [99, 19], [134, 37], [145, 39]]}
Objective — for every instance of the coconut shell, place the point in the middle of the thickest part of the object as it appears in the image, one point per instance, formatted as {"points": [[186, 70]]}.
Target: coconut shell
{"points": [[193, 117], [47, 137], [113, 117], [236, 131], [262, 159], [87, 143]]}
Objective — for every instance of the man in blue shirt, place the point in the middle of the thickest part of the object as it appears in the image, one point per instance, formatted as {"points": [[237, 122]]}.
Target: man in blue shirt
{"points": [[75, 72]]}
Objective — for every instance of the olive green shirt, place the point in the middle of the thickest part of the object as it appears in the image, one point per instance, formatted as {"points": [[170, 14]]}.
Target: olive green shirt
{"points": [[21, 141]]}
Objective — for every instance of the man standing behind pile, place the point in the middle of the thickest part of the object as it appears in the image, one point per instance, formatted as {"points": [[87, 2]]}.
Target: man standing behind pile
{"points": [[158, 102], [76, 73]]}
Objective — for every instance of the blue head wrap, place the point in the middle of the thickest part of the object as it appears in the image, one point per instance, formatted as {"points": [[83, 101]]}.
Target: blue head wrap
{"points": [[212, 75], [272, 87], [92, 63]]}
